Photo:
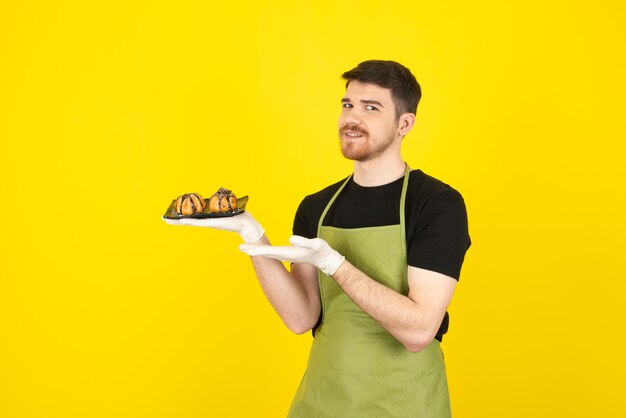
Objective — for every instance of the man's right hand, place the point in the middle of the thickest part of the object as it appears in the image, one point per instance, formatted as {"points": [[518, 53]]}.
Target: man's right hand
{"points": [[244, 224], [294, 295]]}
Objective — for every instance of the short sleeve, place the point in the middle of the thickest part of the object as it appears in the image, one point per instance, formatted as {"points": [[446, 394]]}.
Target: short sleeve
{"points": [[302, 220], [441, 236]]}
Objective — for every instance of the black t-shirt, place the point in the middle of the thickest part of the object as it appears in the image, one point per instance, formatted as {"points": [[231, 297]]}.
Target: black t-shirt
{"points": [[435, 219]]}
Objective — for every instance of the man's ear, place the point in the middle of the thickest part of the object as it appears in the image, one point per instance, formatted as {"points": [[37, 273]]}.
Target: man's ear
{"points": [[405, 123]]}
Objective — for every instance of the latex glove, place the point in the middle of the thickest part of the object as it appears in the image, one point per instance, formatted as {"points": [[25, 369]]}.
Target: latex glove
{"points": [[303, 250], [244, 224]]}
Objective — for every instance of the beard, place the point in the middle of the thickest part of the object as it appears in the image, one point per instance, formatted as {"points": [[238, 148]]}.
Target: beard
{"points": [[366, 147]]}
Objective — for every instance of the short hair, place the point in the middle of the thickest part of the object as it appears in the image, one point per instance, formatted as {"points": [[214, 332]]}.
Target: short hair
{"points": [[405, 90]]}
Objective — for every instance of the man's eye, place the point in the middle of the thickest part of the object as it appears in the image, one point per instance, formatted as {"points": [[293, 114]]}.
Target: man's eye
{"points": [[370, 107], [347, 105]]}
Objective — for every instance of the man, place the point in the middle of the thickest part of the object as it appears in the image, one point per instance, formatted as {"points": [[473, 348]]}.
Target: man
{"points": [[375, 261]]}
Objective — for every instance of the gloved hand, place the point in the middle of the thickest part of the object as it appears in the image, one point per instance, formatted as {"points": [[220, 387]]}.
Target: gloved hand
{"points": [[310, 251], [244, 224]]}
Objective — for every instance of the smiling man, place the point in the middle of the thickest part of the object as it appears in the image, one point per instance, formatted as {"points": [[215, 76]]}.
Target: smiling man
{"points": [[375, 261], [367, 126]]}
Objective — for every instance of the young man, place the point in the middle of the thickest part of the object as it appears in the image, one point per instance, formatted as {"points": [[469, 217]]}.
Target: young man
{"points": [[375, 261]]}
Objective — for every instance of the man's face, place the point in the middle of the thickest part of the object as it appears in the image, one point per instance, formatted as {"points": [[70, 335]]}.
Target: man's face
{"points": [[368, 124]]}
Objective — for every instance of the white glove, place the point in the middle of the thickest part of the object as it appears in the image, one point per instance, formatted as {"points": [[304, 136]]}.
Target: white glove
{"points": [[244, 224], [310, 251]]}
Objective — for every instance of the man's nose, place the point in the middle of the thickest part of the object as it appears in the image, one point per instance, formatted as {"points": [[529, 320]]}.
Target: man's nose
{"points": [[353, 117]]}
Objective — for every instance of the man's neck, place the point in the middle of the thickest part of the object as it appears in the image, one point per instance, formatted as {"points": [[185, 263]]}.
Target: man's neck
{"points": [[378, 171]]}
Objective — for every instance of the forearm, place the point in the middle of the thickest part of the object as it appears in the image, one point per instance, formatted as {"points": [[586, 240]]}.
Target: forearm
{"points": [[287, 295], [398, 314]]}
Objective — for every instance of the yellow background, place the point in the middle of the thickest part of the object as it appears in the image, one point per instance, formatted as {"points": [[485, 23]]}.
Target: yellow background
{"points": [[110, 109]]}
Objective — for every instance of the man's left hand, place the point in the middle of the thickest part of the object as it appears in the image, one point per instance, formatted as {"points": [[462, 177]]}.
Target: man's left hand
{"points": [[303, 250]]}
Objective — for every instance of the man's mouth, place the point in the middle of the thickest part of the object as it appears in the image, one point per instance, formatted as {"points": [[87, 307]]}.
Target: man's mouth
{"points": [[352, 132]]}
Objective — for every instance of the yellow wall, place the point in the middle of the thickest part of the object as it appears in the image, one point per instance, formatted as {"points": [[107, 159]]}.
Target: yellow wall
{"points": [[109, 111]]}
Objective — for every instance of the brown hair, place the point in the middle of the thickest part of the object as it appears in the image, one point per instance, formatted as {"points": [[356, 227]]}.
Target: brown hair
{"points": [[405, 90]]}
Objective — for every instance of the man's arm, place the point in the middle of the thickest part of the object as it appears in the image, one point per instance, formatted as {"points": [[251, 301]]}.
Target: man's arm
{"points": [[294, 295], [414, 319]]}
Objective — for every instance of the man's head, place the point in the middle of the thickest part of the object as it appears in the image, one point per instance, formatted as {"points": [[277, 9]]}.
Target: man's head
{"points": [[378, 110], [405, 90]]}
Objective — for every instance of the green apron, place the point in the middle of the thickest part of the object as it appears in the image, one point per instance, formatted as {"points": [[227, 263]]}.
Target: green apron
{"points": [[356, 368]]}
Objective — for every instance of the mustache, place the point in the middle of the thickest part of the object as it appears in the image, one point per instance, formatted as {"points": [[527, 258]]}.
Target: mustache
{"points": [[352, 128]]}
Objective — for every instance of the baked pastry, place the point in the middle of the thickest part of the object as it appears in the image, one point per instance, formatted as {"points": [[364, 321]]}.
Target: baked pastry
{"points": [[190, 203], [223, 201]]}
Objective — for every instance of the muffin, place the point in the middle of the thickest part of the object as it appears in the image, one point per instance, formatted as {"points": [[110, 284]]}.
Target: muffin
{"points": [[190, 203], [223, 200]]}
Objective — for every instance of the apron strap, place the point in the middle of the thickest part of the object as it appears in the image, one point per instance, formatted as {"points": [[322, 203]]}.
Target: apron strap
{"points": [[402, 211], [319, 224]]}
